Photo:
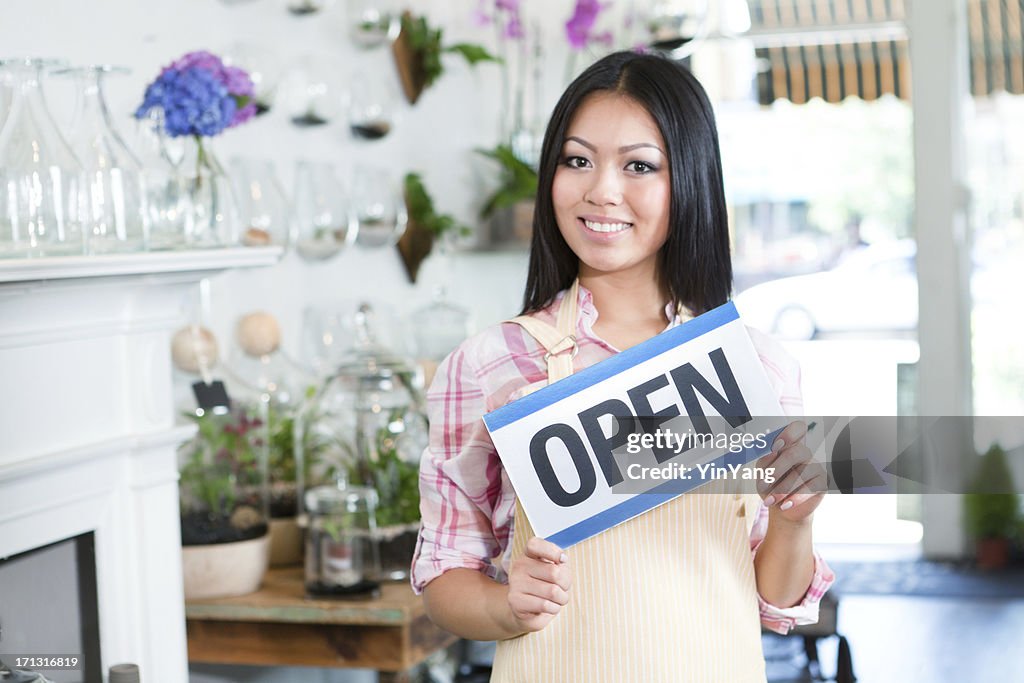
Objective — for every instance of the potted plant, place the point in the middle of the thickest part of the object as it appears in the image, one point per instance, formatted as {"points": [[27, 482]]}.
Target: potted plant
{"points": [[223, 505], [418, 51], [425, 225], [510, 207], [991, 509]]}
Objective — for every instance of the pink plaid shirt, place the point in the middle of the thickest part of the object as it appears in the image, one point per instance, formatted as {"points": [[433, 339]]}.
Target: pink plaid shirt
{"points": [[467, 502]]}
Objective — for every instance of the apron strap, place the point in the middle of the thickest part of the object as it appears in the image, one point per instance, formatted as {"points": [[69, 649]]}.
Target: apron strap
{"points": [[559, 340]]}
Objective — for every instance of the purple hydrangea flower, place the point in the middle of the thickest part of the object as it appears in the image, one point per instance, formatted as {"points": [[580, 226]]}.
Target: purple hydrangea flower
{"points": [[200, 95]]}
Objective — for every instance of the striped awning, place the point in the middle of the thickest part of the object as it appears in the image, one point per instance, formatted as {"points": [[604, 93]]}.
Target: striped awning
{"points": [[833, 49]]}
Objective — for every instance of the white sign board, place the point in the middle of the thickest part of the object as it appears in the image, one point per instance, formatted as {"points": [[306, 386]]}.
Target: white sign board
{"points": [[563, 449]]}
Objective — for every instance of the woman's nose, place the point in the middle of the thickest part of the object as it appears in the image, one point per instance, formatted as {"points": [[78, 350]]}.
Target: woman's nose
{"points": [[605, 188]]}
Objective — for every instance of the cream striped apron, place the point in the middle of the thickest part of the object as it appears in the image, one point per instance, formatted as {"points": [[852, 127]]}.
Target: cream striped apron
{"points": [[668, 596]]}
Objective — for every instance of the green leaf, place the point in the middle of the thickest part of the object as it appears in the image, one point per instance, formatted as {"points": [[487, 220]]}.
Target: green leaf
{"points": [[421, 208], [473, 53], [518, 180]]}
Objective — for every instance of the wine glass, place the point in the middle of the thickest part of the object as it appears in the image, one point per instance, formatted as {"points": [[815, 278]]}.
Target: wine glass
{"points": [[379, 208], [321, 211]]}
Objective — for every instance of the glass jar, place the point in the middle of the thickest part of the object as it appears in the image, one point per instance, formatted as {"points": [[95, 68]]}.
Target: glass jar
{"points": [[115, 193], [372, 408], [223, 475], [41, 180], [341, 541]]}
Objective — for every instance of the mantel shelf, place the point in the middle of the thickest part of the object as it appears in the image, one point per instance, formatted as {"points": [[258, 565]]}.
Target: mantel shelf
{"points": [[143, 263]]}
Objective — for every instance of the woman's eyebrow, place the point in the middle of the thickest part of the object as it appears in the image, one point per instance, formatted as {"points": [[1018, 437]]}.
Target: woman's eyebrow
{"points": [[622, 150]]}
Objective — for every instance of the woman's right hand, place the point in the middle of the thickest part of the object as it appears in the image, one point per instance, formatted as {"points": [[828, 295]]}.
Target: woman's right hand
{"points": [[538, 584]]}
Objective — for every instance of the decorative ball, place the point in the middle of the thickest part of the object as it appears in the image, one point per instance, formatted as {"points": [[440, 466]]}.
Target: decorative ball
{"points": [[192, 348], [259, 334]]}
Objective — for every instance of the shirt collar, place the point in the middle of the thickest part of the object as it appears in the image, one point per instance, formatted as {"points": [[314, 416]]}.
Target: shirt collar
{"points": [[589, 314]]}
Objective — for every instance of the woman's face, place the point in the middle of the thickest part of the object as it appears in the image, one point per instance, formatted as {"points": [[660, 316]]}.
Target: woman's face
{"points": [[611, 190]]}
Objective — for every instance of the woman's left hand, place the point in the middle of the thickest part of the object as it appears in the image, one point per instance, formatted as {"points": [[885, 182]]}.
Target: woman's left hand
{"points": [[800, 482]]}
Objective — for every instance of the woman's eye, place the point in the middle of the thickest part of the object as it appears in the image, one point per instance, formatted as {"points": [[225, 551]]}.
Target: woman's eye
{"points": [[641, 167], [576, 162]]}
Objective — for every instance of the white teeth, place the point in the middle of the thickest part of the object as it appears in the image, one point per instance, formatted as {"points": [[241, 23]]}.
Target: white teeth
{"points": [[606, 227]]}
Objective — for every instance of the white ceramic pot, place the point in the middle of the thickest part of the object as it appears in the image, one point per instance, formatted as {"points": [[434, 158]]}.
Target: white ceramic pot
{"points": [[224, 570]]}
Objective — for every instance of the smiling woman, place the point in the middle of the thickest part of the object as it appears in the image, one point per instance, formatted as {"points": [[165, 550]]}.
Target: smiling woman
{"points": [[630, 239]]}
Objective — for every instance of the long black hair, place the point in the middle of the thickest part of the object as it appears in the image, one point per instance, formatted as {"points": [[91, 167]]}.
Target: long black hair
{"points": [[694, 263]]}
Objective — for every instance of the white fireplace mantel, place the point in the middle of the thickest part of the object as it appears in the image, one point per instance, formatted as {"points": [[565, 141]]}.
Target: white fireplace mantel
{"points": [[87, 431]]}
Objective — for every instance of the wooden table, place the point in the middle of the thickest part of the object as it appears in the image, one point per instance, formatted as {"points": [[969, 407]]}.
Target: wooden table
{"points": [[279, 626]]}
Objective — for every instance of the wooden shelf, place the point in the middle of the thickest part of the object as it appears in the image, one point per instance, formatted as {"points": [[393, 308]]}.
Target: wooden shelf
{"points": [[279, 626]]}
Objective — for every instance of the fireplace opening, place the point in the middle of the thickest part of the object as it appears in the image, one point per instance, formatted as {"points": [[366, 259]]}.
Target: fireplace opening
{"points": [[49, 609]]}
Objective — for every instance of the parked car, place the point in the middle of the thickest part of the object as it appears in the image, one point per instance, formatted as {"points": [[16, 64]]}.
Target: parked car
{"points": [[873, 288]]}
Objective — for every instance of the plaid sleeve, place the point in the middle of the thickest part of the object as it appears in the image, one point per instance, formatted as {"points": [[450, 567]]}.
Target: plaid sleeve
{"points": [[460, 479], [783, 619], [784, 373]]}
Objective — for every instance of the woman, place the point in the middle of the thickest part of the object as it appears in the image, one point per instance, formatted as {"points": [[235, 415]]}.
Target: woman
{"points": [[630, 237]]}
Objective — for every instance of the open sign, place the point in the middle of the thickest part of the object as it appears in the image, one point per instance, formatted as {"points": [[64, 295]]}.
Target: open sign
{"points": [[562, 446]]}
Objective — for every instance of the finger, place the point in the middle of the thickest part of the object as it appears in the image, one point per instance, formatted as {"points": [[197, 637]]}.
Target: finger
{"points": [[814, 482], [791, 456], [791, 481], [797, 499], [557, 574], [544, 590], [528, 605], [539, 549], [794, 432]]}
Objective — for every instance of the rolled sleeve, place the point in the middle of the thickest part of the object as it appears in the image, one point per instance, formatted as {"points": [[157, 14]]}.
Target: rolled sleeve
{"points": [[783, 619], [460, 480]]}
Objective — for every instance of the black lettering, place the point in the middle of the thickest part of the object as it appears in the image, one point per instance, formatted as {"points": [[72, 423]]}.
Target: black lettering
{"points": [[603, 444], [650, 420], [546, 473], [731, 406]]}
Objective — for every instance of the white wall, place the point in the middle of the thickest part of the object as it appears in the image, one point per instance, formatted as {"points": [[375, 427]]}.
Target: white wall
{"points": [[436, 137]]}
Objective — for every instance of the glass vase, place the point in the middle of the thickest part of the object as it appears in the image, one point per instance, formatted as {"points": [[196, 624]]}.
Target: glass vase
{"points": [[167, 200], [213, 219], [115, 194], [41, 209]]}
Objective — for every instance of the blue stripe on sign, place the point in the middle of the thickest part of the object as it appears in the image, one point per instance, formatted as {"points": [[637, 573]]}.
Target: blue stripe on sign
{"points": [[599, 372], [642, 502]]}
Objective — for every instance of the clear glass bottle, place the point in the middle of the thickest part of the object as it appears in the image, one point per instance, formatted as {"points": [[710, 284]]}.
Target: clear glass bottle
{"points": [[168, 204], [41, 180], [263, 209], [321, 212], [214, 220], [113, 176], [342, 556]]}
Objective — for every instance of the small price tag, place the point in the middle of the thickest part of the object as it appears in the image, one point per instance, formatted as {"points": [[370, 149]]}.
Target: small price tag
{"points": [[212, 396]]}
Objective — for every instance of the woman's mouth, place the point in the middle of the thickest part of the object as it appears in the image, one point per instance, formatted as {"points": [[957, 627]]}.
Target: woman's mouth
{"points": [[606, 227]]}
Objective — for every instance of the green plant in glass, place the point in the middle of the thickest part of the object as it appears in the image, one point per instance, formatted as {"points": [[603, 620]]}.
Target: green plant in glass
{"points": [[396, 479], [222, 475]]}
